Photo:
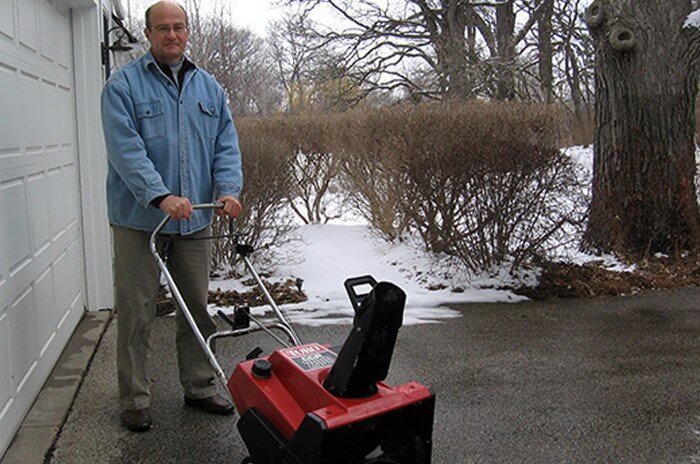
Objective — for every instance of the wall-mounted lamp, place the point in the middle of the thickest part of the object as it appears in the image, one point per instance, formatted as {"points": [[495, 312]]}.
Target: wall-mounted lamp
{"points": [[119, 45], [122, 43]]}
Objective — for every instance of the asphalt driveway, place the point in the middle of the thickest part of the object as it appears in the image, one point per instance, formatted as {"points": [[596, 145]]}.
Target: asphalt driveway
{"points": [[613, 380]]}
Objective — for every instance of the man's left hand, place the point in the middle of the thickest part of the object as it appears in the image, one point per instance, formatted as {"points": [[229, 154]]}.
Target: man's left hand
{"points": [[232, 207]]}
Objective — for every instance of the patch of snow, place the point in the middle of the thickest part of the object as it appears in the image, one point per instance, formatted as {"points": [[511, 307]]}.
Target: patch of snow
{"points": [[693, 20], [583, 156], [228, 285], [333, 253]]}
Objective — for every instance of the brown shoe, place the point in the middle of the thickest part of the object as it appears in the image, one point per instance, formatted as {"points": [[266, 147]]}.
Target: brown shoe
{"points": [[213, 404], [137, 420]]}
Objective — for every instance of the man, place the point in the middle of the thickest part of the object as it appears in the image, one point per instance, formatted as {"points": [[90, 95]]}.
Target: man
{"points": [[171, 143]]}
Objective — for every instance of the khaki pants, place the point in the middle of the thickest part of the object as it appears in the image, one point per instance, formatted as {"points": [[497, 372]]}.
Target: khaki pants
{"points": [[136, 277]]}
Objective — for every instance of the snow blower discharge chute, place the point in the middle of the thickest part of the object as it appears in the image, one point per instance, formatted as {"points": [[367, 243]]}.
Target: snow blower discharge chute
{"points": [[320, 404]]}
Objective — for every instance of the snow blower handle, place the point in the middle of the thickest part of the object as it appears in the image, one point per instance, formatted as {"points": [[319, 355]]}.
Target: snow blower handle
{"points": [[206, 344], [177, 296]]}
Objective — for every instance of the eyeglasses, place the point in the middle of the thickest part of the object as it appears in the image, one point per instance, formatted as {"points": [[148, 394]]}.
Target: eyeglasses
{"points": [[166, 28]]}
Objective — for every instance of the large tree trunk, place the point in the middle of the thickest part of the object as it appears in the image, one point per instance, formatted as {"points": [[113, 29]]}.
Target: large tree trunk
{"points": [[447, 35], [505, 32], [545, 50], [455, 52], [644, 197]]}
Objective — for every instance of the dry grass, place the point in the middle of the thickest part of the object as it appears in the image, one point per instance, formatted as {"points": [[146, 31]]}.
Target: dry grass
{"points": [[282, 292], [561, 280]]}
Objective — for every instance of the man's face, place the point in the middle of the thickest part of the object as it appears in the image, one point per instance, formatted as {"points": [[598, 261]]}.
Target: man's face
{"points": [[167, 33]]}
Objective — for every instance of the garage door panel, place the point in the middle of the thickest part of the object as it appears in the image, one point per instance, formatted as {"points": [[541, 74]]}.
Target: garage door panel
{"points": [[47, 32], [74, 284], [7, 23], [64, 55], [5, 384], [39, 199], [66, 281], [54, 182], [28, 31], [10, 111], [57, 207], [53, 28], [51, 133], [71, 193], [22, 328], [33, 111], [45, 307], [65, 128], [61, 284], [61, 102], [3, 272], [15, 230]]}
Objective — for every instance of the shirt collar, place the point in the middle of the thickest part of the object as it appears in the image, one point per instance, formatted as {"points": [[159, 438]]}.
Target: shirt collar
{"points": [[149, 59]]}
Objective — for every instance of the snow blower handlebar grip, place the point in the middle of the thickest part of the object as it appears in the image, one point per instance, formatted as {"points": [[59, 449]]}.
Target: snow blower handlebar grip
{"points": [[351, 284], [167, 219]]}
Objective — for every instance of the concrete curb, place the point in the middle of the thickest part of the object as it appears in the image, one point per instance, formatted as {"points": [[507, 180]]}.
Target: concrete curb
{"points": [[36, 436]]}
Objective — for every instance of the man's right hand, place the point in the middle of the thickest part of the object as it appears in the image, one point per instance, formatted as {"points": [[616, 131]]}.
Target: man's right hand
{"points": [[177, 207]]}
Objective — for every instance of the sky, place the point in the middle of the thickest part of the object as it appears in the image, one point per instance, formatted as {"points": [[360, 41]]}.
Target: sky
{"points": [[252, 14]]}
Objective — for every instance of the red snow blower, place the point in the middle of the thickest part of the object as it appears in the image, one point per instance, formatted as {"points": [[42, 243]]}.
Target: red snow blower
{"points": [[315, 403]]}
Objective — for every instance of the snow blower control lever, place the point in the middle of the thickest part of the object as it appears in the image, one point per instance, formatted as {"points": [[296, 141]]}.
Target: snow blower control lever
{"points": [[316, 404]]}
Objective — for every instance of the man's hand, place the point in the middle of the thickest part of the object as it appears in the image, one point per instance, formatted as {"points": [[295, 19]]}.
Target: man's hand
{"points": [[177, 207], [232, 207]]}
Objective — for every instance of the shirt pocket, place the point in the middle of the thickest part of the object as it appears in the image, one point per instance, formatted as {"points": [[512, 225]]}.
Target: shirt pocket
{"points": [[209, 118], [151, 119]]}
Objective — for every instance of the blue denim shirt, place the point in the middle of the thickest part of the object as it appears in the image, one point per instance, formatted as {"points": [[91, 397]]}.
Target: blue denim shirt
{"points": [[164, 141]]}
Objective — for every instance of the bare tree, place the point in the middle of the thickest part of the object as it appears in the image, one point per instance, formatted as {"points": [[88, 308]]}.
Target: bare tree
{"points": [[311, 72], [574, 61], [451, 49], [647, 56], [239, 61], [295, 55]]}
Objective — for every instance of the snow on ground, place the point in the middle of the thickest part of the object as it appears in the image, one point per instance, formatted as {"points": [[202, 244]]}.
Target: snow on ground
{"points": [[570, 252], [693, 20], [332, 253]]}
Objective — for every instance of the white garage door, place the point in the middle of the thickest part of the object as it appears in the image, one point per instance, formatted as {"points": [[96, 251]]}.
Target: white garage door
{"points": [[41, 276]]}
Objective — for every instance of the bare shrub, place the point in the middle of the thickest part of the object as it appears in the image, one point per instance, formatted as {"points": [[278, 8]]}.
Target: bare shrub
{"points": [[483, 182], [372, 182], [480, 181], [315, 176], [267, 184], [314, 169]]}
